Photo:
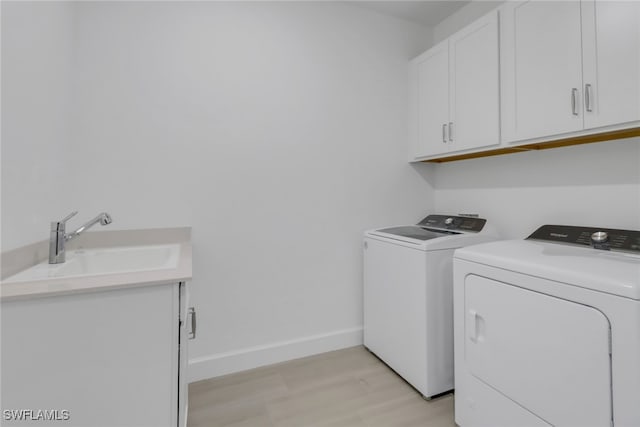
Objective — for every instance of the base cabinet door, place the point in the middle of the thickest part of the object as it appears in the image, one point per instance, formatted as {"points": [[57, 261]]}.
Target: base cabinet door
{"points": [[187, 332], [102, 358]]}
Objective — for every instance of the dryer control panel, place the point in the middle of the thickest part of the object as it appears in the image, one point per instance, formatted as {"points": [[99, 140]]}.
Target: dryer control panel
{"points": [[453, 222], [598, 238]]}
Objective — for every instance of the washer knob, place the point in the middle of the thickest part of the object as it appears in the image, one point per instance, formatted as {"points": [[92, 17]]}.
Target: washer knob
{"points": [[599, 237], [448, 221]]}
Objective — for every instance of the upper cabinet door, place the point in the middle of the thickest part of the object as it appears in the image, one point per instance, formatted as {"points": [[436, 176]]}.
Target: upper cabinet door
{"points": [[429, 82], [474, 109], [611, 49], [541, 69]]}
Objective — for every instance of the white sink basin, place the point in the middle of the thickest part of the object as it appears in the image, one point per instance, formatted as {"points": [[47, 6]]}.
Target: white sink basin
{"points": [[92, 262]]}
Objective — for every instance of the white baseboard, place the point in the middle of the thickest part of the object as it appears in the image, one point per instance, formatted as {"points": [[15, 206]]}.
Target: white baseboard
{"points": [[215, 365]]}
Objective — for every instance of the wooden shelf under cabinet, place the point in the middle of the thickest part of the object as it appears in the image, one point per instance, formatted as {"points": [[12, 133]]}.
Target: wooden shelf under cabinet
{"points": [[576, 140]]}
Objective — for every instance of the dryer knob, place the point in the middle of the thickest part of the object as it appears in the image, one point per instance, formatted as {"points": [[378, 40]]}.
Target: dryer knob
{"points": [[599, 237], [448, 221]]}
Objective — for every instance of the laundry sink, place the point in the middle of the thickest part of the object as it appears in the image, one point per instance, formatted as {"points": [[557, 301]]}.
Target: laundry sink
{"points": [[99, 261]]}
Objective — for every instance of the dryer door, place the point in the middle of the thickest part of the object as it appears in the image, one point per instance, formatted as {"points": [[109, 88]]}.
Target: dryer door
{"points": [[547, 354]]}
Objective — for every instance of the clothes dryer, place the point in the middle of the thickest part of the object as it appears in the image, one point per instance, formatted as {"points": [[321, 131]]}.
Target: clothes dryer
{"points": [[547, 329]]}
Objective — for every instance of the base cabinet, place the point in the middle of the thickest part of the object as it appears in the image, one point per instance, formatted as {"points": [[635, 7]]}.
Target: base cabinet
{"points": [[109, 358]]}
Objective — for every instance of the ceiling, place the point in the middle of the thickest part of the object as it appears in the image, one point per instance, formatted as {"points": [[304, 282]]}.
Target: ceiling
{"points": [[428, 12]]}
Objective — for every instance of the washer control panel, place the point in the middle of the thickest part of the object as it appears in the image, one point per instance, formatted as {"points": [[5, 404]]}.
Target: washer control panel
{"points": [[453, 222], [598, 238]]}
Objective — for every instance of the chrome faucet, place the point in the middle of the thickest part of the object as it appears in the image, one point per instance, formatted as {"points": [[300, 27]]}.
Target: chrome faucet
{"points": [[59, 237]]}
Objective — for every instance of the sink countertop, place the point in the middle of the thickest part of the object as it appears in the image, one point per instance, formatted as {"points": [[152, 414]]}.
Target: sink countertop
{"points": [[19, 259]]}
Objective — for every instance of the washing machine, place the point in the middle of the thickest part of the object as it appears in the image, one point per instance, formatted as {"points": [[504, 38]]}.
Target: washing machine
{"points": [[547, 330], [408, 307]]}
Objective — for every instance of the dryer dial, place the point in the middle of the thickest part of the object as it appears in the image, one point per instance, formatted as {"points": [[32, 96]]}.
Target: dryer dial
{"points": [[599, 237]]}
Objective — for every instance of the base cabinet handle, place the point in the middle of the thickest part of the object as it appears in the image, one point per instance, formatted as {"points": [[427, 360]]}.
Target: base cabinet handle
{"points": [[192, 314]]}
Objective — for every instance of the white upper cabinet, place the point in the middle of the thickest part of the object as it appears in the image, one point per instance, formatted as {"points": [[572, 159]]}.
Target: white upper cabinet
{"points": [[611, 57], [429, 87], [542, 69], [474, 86], [568, 66], [454, 92]]}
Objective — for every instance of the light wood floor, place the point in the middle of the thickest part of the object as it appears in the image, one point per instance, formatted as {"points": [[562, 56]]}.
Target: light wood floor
{"points": [[344, 388]]}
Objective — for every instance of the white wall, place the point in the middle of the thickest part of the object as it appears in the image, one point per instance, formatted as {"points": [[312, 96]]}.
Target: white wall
{"points": [[277, 130], [463, 17], [591, 185], [36, 76]]}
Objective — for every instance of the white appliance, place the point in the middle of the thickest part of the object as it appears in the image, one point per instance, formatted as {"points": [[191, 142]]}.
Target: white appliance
{"points": [[547, 330], [408, 309]]}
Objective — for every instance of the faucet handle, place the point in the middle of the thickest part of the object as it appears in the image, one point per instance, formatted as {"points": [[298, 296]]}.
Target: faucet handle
{"points": [[60, 225], [68, 217]]}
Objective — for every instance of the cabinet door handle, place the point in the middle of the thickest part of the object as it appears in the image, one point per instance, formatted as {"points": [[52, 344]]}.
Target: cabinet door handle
{"points": [[444, 133], [192, 314], [451, 131], [587, 97], [574, 101]]}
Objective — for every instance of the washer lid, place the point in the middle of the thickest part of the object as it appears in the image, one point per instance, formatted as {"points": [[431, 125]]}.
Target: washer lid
{"points": [[616, 273], [415, 232]]}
